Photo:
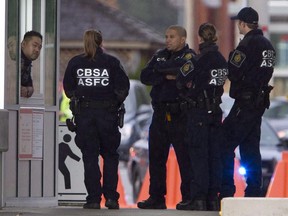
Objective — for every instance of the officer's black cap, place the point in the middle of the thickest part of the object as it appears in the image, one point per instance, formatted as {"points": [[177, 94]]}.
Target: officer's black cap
{"points": [[247, 15]]}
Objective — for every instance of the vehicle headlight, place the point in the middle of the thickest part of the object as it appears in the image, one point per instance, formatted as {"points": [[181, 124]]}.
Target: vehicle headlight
{"points": [[138, 154], [282, 134]]}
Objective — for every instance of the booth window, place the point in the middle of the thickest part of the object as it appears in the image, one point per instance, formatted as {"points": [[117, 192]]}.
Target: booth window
{"points": [[23, 16]]}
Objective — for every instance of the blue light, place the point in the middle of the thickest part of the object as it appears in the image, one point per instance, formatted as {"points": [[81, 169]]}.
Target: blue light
{"points": [[242, 171]]}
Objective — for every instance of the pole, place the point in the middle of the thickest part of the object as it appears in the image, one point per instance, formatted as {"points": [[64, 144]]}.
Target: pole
{"points": [[189, 21], [1, 182]]}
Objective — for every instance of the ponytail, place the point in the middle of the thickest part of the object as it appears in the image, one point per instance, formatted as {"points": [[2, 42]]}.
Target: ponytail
{"points": [[92, 40]]}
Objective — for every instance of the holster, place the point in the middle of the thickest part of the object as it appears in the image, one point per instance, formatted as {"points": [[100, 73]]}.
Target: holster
{"points": [[71, 125], [263, 97], [74, 105], [210, 104], [121, 113]]}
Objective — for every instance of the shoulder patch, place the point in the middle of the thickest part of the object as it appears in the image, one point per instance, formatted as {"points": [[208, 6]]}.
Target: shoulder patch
{"points": [[188, 56], [187, 68], [237, 58]]}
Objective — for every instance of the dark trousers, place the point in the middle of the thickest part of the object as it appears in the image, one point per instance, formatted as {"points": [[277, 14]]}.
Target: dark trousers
{"points": [[242, 128], [97, 134], [204, 137], [162, 134]]}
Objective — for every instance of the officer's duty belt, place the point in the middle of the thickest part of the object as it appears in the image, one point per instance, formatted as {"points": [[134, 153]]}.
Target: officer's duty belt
{"points": [[246, 96], [168, 107], [202, 104], [97, 104]]}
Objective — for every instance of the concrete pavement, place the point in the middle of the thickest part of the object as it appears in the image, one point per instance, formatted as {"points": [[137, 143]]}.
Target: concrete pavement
{"points": [[74, 211]]}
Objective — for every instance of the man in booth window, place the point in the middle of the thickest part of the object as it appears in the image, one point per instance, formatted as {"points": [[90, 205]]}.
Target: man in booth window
{"points": [[30, 51]]}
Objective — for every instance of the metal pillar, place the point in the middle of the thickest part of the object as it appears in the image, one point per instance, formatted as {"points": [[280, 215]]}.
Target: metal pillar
{"points": [[189, 21], [1, 182]]}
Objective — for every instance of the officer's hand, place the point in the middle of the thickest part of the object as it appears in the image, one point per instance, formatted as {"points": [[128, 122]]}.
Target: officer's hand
{"points": [[26, 91], [189, 84], [30, 91], [23, 92], [170, 77]]}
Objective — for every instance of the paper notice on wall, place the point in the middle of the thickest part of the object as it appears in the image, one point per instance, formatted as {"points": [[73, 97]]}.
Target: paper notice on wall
{"points": [[31, 124]]}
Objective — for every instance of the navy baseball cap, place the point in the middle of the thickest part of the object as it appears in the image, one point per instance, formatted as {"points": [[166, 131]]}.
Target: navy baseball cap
{"points": [[247, 15]]}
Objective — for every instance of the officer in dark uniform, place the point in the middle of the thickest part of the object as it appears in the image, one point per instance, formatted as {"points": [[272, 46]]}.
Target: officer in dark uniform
{"points": [[204, 86], [97, 85], [169, 117], [251, 66]]}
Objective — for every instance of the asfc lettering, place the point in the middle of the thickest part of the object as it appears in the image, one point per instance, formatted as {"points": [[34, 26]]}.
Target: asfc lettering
{"points": [[268, 58], [218, 76], [92, 77], [161, 59]]}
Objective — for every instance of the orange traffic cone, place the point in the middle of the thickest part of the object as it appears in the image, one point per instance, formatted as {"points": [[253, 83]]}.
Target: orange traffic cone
{"points": [[239, 180], [120, 189], [144, 191], [173, 180], [278, 186]]}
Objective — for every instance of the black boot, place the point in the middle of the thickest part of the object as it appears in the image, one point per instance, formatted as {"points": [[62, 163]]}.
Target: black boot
{"points": [[112, 204], [152, 203], [197, 205], [180, 204], [93, 205], [213, 204]]}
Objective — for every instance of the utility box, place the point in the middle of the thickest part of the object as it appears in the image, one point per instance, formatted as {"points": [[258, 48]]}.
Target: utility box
{"points": [[4, 130]]}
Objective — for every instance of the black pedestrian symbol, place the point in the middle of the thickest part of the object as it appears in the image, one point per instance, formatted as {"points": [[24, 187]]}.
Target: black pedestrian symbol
{"points": [[64, 152]]}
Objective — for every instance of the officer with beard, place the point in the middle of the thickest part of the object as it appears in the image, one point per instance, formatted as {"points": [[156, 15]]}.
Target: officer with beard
{"points": [[169, 117]]}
